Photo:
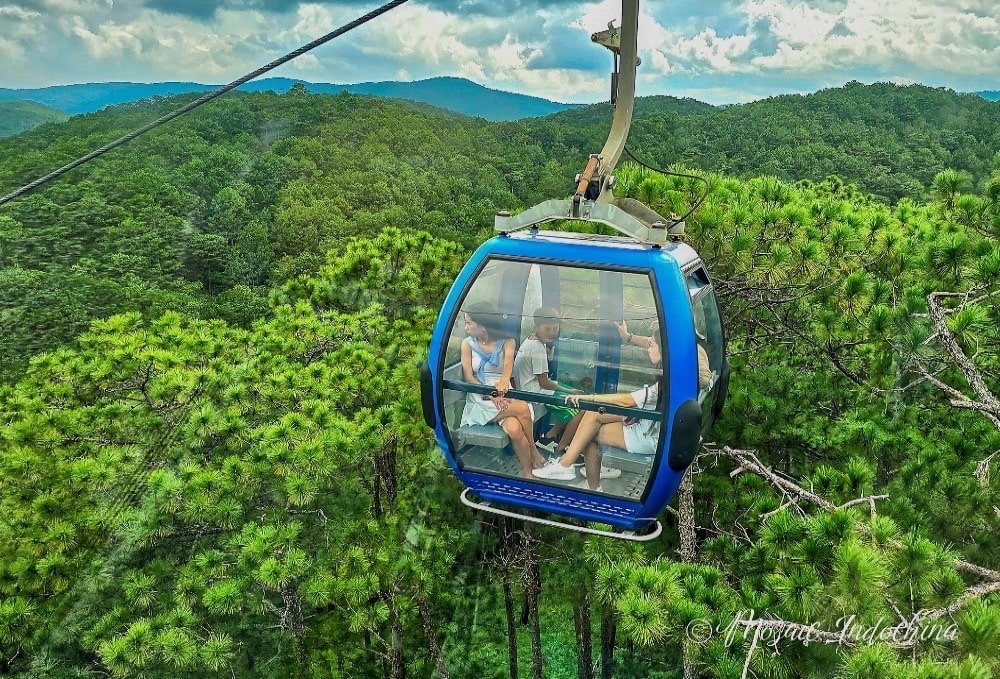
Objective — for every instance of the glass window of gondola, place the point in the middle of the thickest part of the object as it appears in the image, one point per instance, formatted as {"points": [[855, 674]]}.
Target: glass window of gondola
{"points": [[711, 344], [588, 355]]}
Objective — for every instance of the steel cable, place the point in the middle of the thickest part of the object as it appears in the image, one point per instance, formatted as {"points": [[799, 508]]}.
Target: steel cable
{"points": [[204, 99]]}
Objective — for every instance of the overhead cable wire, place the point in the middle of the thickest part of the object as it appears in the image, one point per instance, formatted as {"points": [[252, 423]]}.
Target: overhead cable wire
{"points": [[204, 99], [701, 199]]}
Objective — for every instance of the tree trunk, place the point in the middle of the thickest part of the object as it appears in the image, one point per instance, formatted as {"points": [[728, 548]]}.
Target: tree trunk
{"points": [[685, 522], [688, 553], [584, 642], [508, 604], [687, 656], [433, 642], [578, 634], [385, 464], [397, 663], [291, 621], [608, 632], [533, 589]]}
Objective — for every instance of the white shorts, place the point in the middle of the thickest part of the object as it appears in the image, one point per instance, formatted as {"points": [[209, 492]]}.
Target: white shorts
{"points": [[638, 439], [480, 411]]}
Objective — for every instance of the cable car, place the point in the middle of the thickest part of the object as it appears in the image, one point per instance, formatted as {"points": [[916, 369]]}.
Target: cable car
{"points": [[604, 290]]}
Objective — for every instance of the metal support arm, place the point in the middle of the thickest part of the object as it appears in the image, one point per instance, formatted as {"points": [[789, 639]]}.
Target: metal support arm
{"points": [[595, 182], [624, 43], [593, 200]]}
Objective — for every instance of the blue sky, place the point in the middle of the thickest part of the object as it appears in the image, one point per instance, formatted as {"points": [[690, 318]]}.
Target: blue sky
{"points": [[719, 51]]}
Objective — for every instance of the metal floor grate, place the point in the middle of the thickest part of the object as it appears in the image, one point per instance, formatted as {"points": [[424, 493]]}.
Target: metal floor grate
{"points": [[628, 486]]}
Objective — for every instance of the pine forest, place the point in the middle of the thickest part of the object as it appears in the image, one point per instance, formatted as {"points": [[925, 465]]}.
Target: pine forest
{"points": [[213, 460]]}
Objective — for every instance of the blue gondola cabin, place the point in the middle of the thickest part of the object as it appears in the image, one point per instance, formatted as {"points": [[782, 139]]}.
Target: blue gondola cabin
{"points": [[595, 282]]}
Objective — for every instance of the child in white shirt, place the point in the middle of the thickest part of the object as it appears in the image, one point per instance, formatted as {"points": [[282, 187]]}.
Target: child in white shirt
{"points": [[531, 370]]}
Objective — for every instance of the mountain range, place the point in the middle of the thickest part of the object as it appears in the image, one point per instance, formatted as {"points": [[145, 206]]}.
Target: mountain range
{"points": [[455, 94]]}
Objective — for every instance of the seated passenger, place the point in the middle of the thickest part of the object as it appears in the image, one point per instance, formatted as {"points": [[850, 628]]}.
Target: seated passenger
{"points": [[635, 436], [531, 371], [705, 374], [488, 358], [570, 430]]}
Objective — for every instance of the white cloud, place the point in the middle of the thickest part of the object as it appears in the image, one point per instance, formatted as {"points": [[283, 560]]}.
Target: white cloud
{"points": [[735, 47], [799, 38], [15, 12], [10, 50], [448, 44], [73, 6], [229, 24], [794, 23], [510, 55], [423, 34], [925, 33], [307, 62], [712, 52], [311, 21], [149, 47], [107, 40]]}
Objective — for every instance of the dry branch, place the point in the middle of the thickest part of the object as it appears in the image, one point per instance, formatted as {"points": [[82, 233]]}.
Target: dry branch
{"points": [[749, 461], [987, 405], [965, 364]]}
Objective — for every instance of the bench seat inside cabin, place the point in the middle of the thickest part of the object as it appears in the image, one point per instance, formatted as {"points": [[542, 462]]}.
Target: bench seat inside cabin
{"points": [[619, 458]]}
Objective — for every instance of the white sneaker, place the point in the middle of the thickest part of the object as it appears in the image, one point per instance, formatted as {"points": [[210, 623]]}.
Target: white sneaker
{"points": [[606, 472], [583, 485], [555, 471]]}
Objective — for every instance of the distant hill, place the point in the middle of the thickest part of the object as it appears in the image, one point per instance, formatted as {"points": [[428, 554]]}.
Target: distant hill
{"points": [[991, 95], [890, 140], [21, 116], [455, 94], [601, 114]]}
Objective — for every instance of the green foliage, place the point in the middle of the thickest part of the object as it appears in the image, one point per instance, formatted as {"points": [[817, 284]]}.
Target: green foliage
{"points": [[820, 357], [891, 141], [20, 116], [227, 451], [206, 216], [215, 463], [252, 192]]}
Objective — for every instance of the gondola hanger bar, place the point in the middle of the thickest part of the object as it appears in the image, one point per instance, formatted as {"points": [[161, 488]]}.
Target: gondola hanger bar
{"points": [[625, 215], [624, 44]]}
